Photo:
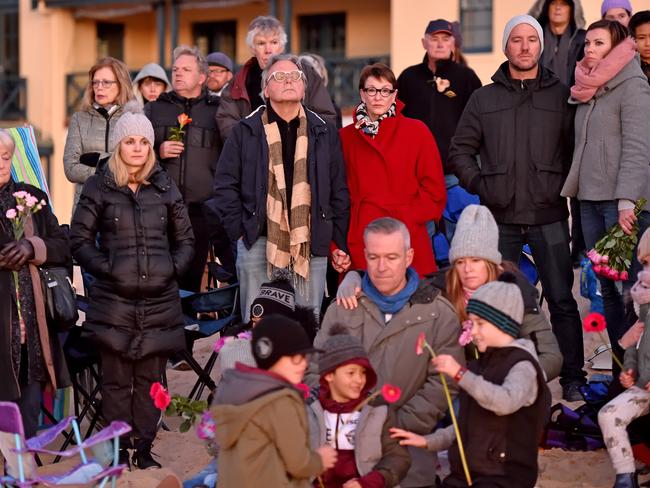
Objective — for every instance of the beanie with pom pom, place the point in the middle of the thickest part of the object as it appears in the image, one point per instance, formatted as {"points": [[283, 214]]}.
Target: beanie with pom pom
{"points": [[131, 123]]}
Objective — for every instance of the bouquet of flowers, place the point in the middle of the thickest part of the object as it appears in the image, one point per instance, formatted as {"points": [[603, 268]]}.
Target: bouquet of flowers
{"points": [[612, 255], [177, 133], [26, 205], [189, 410]]}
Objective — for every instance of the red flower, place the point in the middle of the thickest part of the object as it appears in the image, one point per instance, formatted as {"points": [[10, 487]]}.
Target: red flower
{"points": [[624, 276], [183, 120], [419, 346], [155, 388], [162, 400], [594, 322], [304, 389], [391, 393]]}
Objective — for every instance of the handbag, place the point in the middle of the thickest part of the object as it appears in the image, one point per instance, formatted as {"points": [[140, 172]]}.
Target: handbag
{"points": [[60, 298]]}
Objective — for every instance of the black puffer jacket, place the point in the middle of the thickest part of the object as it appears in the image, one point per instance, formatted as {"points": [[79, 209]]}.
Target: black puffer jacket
{"points": [[193, 170], [523, 132], [145, 242]]}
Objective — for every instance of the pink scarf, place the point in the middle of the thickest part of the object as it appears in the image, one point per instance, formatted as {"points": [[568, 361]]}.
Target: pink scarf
{"points": [[588, 81]]}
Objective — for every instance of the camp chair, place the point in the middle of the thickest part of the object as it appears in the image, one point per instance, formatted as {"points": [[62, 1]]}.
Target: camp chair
{"points": [[224, 303], [97, 467]]}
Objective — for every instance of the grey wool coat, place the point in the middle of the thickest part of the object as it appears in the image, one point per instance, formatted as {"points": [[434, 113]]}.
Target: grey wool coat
{"points": [[89, 131], [611, 159]]}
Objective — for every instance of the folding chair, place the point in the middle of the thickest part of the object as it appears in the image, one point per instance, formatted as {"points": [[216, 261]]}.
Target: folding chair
{"points": [[224, 302], [96, 468], [527, 267]]}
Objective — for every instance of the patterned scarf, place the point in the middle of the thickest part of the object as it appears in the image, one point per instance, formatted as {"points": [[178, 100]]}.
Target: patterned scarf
{"points": [[368, 126], [288, 246]]}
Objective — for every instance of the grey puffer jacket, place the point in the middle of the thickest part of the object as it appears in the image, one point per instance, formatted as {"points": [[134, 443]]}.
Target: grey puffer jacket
{"points": [[611, 160], [89, 131]]}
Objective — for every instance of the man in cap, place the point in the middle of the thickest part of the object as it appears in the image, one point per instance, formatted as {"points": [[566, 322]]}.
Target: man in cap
{"points": [[436, 90], [521, 126], [219, 72]]}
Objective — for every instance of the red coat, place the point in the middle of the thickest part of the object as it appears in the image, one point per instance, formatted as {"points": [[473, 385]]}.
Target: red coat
{"points": [[397, 174]]}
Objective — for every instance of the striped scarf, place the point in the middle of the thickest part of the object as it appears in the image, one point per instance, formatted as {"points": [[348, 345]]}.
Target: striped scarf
{"points": [[288, 246], [368, 126]]}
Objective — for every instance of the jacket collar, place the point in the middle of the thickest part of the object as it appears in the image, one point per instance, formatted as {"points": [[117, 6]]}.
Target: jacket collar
{"points": [[175, 98], [238, 86], [315, 124], [545, 77], [158, 177]]}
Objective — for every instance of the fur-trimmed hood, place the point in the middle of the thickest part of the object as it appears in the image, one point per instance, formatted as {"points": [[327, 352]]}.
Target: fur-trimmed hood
{"points": [[539, 10]]}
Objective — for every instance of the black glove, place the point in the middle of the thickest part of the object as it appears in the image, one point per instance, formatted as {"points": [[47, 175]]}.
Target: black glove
{"points": [[15, 254], [90, 159]]}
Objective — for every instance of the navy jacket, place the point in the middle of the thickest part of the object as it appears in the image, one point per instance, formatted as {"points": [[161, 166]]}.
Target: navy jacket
{"points": [[241, 183]]}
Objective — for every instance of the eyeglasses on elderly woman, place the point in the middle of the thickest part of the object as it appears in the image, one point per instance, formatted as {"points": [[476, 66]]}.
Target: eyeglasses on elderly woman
{"points": [[282, 76]]}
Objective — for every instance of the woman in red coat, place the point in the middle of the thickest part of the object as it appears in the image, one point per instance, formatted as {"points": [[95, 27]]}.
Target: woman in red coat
{"points": [[393, 168]]}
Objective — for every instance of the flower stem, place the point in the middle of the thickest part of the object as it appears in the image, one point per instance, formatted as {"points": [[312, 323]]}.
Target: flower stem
{"points": [[20, 313], [614, 356], [367, 400], [453, 419]]}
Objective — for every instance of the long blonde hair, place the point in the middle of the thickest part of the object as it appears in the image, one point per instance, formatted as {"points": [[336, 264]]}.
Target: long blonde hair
{"points": [[454, 287], [122, 76], [121, 174]]}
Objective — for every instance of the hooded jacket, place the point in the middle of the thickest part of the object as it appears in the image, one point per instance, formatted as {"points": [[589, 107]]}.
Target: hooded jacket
{"points": [[145, 243], [576, 33], [612, 142], [263, 432], [151, 70], [235, 100], [523, 133]]}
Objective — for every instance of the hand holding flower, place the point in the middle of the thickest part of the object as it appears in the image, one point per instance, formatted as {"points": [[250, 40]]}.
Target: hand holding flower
{"points": [[444, 363], [626, 220]]}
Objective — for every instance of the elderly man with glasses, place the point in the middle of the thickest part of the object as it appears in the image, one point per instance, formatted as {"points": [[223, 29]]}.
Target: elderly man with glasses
{"points": [[281, 191]]}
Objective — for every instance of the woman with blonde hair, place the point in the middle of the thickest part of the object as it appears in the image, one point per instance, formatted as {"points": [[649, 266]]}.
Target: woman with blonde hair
{"points": [[109, 88], [145, 243]]}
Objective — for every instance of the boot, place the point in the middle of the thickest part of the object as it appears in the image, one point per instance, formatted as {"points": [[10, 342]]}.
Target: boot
{"points": [[142, 458], [626, 480]]}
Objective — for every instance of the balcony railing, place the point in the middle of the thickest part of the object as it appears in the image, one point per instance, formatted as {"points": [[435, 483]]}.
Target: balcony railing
{"points": [[13, 98]]}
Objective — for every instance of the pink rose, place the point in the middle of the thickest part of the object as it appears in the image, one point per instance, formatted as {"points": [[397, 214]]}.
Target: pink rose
{"points": [[20, 194], [624, 276], [597, 268], [613, 275], [20, 208], [604, 259], [11, 214]]}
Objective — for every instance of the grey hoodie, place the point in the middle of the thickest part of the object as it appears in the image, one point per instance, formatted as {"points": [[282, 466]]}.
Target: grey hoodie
{"points": [[152, 70]]}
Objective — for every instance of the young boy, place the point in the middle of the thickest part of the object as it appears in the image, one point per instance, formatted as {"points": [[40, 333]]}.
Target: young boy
{"points": [[640, 30], [504, 400], [367, 456], [634, 402], [261, 416]]}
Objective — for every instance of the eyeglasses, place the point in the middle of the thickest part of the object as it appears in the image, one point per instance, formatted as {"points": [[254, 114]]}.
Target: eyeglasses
{"points": [[103, 83], [372, 91], [217, 71], [281, 76]]}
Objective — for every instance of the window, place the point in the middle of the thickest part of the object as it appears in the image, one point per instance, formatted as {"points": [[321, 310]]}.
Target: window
{"points": [[476, 25], [110, 40], [216, 36], [323, 34], [9, 43]]}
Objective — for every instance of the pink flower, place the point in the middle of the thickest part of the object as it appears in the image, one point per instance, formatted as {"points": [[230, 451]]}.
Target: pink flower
{"points": [[391, 393], [613, 275], [221, 342], [20, 194], [594, 322], [155, 388], [162, 400], [624, 276], [596, 259], [206, 427], [247, 334], [597, 268], [604, 259], [11, 214], [43, 202], [466, 335], [419, 345], [20, 208], [591, 253]]}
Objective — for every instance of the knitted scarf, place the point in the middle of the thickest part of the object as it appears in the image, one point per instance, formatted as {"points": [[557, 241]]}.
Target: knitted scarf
{"points": [[589, 80], [368, 126], [392, 303], [288, 245]]}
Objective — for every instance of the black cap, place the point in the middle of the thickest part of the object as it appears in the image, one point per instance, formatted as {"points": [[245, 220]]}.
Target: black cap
{"points": [[276, 336], [439, 25]]}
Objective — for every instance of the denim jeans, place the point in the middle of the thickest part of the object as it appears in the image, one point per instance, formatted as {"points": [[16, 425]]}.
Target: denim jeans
{"points": [[597, 218], [252, 272], [549, 244]]}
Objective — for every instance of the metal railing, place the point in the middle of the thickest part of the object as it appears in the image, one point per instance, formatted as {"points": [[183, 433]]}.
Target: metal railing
{"points": [[13, 98]]}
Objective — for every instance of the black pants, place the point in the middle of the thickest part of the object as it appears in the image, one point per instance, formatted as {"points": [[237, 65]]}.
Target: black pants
{"points": [[29, 402], [549, 244], [125, 393], [191, 280]]}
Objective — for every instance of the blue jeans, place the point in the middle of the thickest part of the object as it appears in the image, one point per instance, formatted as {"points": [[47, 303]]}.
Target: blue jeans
{"points": [[252, 272], [597, 218], [549, 244]]}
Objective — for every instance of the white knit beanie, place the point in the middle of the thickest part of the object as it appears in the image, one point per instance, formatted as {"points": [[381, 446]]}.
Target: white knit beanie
{"points": [[476, 236], [132, 122], [523, 19]]}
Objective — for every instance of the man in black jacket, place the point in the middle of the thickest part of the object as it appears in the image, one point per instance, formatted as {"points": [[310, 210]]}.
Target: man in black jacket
{"points": [[281, 191], [191, 162], [522, 128]]}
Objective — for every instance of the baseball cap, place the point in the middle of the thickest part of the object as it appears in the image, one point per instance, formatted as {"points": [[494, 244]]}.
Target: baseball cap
{"points": [[276, 336], [439, 25]]}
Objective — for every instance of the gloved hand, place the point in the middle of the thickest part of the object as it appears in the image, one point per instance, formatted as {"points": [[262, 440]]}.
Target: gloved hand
{"points": [[89, 159], [14, 255], [349, 290]]}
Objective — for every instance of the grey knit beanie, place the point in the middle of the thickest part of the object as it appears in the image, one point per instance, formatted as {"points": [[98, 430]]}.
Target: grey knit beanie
{"points": [[523, 19], [500, 303], [338, 349], [476, 236], [131, 123]]}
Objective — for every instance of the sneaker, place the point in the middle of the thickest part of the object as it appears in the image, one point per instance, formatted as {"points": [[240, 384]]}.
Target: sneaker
{"points": [[142, 459], [123, 458], [571, 392]]}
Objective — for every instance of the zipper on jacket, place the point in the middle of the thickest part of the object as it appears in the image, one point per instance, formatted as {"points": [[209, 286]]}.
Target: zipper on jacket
{"points": [[181, 169]]}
